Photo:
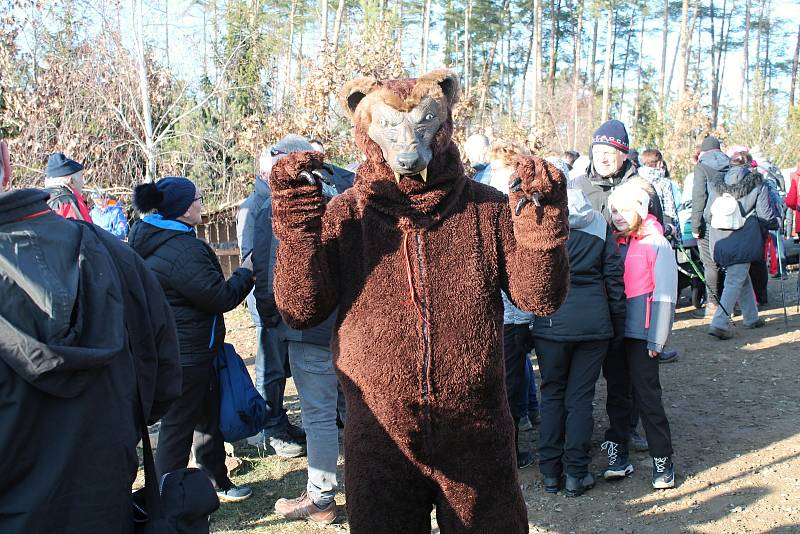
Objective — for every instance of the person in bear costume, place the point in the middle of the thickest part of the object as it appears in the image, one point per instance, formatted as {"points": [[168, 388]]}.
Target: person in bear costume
{"points": [[412, 260]]}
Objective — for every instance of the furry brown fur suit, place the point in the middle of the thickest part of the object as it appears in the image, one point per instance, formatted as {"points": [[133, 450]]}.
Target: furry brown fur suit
{"points": [[416, 270]]}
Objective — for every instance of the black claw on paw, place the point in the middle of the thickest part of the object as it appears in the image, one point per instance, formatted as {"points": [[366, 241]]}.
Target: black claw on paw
{"points": [[516, 185], [520, 204]]}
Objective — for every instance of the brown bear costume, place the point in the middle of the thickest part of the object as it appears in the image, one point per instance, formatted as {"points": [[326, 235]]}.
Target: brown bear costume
{"points": [[415, 268]]}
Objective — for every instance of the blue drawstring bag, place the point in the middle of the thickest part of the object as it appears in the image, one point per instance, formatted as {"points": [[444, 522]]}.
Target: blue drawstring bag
{"points": [[242, 410]]}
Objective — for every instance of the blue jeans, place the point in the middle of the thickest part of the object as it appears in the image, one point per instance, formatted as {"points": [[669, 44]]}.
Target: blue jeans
{"points": [[272, 369], [738, 288], [528, 402], [315, 379]]}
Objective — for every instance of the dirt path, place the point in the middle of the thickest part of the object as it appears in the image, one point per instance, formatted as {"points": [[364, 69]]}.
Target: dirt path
{"points": [[733, 409]]}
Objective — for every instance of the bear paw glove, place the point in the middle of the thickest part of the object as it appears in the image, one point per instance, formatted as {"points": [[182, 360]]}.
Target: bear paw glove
{"points": [[297, 203], [538, 201]]}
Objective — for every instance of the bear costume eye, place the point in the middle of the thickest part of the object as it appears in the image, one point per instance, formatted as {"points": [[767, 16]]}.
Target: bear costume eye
{"points": [[429, 117]]}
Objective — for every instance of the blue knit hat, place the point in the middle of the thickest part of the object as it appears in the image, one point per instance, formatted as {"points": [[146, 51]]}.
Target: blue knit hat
{"points": [[613, 134], [60, 165], [170, 196]]}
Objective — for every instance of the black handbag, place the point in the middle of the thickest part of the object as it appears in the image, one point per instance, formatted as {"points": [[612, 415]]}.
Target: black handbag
{"points": [[181, 504]]}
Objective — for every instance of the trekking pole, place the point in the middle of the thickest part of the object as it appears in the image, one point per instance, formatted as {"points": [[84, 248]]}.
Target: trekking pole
{"points": [[702, 278], [779, 246]]}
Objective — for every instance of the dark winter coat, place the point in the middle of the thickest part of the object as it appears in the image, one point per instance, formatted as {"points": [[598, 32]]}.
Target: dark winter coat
{"points": [[595, 305], [741, 246], [711, 167], [193, 282], [246, 229], [81, 319]]}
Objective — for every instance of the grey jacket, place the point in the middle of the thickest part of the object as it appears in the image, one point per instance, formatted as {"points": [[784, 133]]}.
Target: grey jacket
{"points": [[710, 167], [245, 231]]}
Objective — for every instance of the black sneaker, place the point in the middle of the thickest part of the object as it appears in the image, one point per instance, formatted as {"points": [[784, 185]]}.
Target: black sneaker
{"points": [[525, 459], [552, 484], [618, 464], [668, 356], [577, 486], [296, 433], [663, 473], [234, 494]]}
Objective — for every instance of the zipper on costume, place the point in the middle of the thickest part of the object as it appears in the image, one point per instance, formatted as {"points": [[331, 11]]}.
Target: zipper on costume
{"points": [[426, 341]]}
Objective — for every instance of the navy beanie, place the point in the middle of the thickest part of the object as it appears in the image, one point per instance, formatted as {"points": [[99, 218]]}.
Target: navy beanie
{"points": [[612, 133], [60, 165], [170, 196]]}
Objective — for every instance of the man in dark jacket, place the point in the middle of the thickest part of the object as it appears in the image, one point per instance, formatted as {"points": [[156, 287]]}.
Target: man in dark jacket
{"points": [[572, 344], [87, 349], [272, 360], [609, 167], [711, 166], [309, 356], [198, 293]]}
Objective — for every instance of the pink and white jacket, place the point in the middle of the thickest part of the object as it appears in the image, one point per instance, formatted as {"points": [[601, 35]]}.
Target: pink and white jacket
{"points": [[651, 285]]}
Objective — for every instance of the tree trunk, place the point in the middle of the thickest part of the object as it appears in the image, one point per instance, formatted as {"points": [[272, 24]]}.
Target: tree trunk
{"points": [[794, 69], [592, 80], [551, 69], [537, 62], [144, 90], [767, 73], [625, 63], [337, 25], [289, 50], [662, 95], [487, 67], [576, 74], [166, 32], [637, 101], [609, 63], [744, 92], [528, 59], [323, 23], [426, 26], [714, 70], [467, 49], [684, 70]]}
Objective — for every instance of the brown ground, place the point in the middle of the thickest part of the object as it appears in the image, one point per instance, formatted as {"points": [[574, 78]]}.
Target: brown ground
{"points": [[733, 408]]}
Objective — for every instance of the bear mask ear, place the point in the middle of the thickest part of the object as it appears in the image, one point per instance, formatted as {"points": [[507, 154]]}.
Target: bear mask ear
{"points": [[447, 81], [354, 91]]}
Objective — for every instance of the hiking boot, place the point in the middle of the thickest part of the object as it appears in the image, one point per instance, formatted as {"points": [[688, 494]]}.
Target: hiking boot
{"points": [[552, 484], [234, 494], [304, 508], [668, 356], [577, 486], [525, 424], [663, 473], [525, 459], [639, 442], [757, 324], [618, 464], [719, 333], [296, 433], [707, 312], [283, 446]]}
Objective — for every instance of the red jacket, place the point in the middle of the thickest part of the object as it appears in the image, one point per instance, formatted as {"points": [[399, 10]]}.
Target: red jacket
{"points": [[791, 199], [68, 203]]}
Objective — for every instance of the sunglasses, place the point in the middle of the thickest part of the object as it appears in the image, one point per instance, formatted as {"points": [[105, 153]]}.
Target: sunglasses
{"points": [[200, 198]]}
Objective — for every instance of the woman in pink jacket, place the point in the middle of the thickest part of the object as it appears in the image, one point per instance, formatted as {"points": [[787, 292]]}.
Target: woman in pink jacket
{"points": [[651, 281]]}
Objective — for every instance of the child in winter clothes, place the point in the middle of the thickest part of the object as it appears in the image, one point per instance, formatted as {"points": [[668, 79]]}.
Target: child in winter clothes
{"points": [[572, 344], [651, 278]]}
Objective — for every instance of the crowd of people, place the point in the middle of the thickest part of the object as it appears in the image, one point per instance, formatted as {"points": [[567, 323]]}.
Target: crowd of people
{"points": [[626, 216]]}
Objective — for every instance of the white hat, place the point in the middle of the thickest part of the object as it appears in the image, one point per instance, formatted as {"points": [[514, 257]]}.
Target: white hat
{"points": [[630, 197]]}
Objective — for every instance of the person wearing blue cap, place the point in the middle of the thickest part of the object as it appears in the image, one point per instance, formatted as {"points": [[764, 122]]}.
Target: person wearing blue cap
{"points": [[64, 182], [199, 295]]}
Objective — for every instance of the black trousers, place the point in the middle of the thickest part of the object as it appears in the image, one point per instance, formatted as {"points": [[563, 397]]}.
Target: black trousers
{"points": [[517, 343], [633, 366], [569, 373], [192, 422], [713, 274], [759, 276]]}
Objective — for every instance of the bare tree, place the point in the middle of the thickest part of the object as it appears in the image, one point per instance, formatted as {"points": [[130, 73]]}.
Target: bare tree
{"points": [[323, 21], [576, 73], [426, 26], [337, 25], [467, 48], [794, 69], [144, 88], [744, 92], [609, 64], [664, 35]]}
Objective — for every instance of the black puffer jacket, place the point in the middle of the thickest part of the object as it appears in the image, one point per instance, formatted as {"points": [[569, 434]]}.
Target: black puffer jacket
{"points": [[595, 305], [194, 285]]}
